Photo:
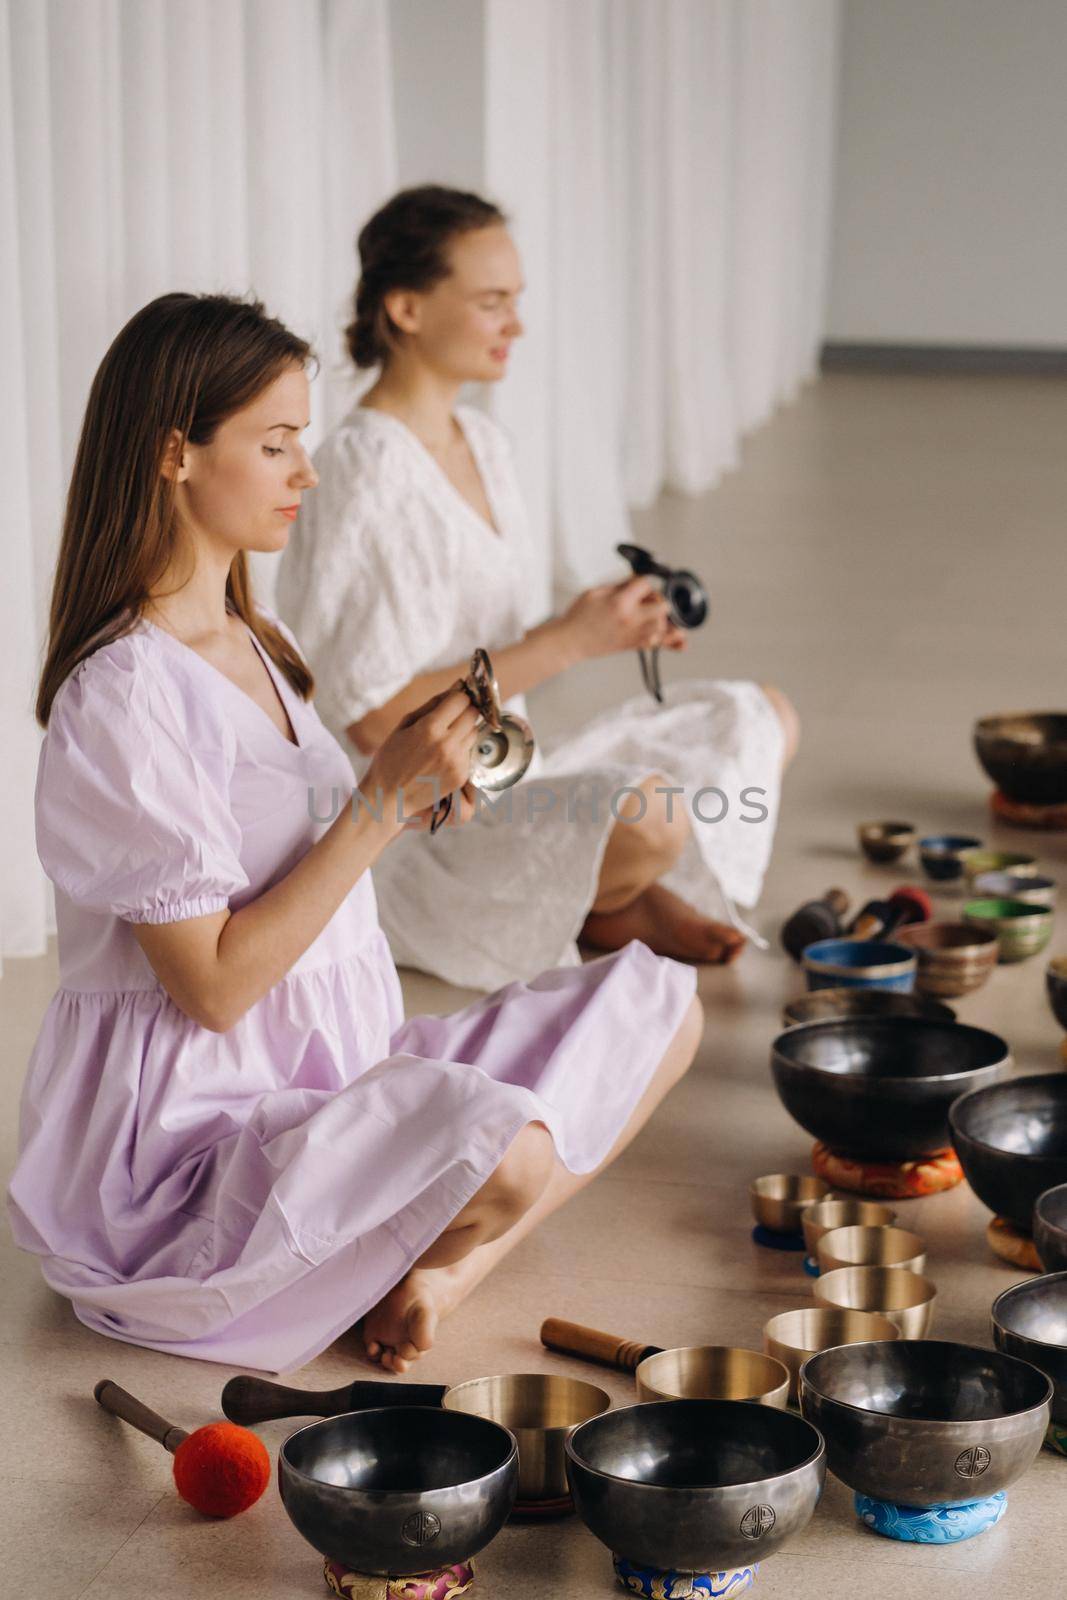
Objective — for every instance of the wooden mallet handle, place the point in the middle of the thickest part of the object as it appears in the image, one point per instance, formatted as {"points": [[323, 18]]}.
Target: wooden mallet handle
{"points": [[248, 1400], [571, 1339], [124, 1405]]}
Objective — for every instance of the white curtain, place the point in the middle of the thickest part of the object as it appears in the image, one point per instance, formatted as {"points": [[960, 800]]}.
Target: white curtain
{"points": [[682, 153], [667, 164], [145, 146]]}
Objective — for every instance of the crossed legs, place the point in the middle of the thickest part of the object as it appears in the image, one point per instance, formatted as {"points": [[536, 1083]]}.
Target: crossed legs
{"points": [[527, 1186]]}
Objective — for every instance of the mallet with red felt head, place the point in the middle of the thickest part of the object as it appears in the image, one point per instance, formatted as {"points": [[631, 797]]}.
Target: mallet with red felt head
{"points": [[219, 1469]]}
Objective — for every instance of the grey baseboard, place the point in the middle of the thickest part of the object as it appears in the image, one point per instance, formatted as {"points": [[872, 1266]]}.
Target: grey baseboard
{"points": [[840, 355]]}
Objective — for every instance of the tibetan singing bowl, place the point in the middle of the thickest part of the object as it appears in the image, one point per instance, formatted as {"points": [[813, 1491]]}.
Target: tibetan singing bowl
{"points": [[923, 1423], [879, 1088], [793, 1336], [1022, 930], [858, 963], [954, 958], [541, 1411], [1030, 888], [1025, 754], [695, 1485], [1056, 988], [979, 861], [941, 855], [825, 1004], [899, 1294], [871, 1247], [1030, 1321], [400, 1489], [712, 1372], [780, 1199], [1011, 1140], [885, 841], [827, 1214], [1050, 1228]]}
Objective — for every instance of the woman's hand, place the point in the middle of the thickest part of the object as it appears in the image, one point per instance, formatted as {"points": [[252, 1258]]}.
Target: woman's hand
{"points": [[425, 758], [632, 615]]}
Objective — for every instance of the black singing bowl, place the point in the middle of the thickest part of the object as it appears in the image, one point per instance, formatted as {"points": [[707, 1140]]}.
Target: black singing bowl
{"points": [[880, 1087], [696, 1485], [1012, 1143], [920, 1422], [1050, 1228], [1025, 754], [1030, 1321], [399, 1489]]}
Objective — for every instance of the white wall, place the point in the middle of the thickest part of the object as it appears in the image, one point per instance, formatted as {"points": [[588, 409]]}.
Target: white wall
{"points": [[951, 201]]}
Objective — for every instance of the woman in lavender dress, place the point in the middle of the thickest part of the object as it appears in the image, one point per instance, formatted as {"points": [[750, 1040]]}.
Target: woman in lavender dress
{"points": [[232, 1144]]}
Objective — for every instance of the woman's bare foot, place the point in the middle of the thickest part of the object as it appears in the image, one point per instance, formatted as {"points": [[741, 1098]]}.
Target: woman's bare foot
{"points": [[668, 925], [401, 1327]]}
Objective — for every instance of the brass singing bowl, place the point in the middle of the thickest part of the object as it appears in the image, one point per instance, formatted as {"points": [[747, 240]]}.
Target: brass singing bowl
{"points": [[712, 1372], [542, 1411], [903, 1296], [793, 1336], [826, 1214], [780, 1199], [871, 1247]]}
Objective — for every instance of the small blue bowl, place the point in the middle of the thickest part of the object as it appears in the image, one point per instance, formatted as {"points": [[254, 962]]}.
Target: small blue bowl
{"points": [[860, 964], [940, 854]]}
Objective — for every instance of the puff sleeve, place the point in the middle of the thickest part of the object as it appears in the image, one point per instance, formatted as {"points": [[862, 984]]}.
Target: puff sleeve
{"points": [[132, 808], [367, 583]]}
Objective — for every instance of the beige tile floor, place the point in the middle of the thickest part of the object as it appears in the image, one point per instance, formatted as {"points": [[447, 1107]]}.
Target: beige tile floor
{"points": [[890, 553]]}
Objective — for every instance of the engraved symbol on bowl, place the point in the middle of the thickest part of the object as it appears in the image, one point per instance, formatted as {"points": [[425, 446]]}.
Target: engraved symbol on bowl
{"points": [[422, 1527], [757, 1521], [972, 1463]]}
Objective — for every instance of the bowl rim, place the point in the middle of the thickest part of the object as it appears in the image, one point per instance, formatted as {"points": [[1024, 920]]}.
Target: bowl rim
{"points": [[949, 844], [987, 1088], [1016, 858], [939, 1077], [1056, 1227], [819, 1452], [699, 1349], [754, 1190], [879, 1266], [983, 725], [886, 830], [981, 937], [1027, 882], [825, 1310], [942, 1011], [879, 1227], [927, 1422], [1020, 1289], [369, 1411], [592, 1392], [892, 968], [1012, 912]]}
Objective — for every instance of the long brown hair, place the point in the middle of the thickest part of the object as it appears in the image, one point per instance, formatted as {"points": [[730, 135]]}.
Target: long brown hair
{"points": [[405, 246], [182, 364]]}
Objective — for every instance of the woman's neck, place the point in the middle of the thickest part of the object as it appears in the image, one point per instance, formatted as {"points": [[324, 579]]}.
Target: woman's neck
{"points": [[191, 603], [423, 400]]}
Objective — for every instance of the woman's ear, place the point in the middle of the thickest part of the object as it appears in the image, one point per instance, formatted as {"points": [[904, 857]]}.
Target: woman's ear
{"points": [[174, 464], [402, 308]]}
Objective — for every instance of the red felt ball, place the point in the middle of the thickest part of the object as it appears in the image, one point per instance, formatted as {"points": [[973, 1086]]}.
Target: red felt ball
{"points": [[221, 1469]]}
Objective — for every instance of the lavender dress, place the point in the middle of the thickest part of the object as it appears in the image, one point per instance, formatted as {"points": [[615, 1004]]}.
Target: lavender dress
{"points": [[244, 1197]]}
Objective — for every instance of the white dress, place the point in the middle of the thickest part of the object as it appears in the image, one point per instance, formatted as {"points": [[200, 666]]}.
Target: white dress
{"points": [[391, 573]]}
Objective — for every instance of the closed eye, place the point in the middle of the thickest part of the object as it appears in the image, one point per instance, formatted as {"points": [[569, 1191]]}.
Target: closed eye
{"points": [[269, 450]]}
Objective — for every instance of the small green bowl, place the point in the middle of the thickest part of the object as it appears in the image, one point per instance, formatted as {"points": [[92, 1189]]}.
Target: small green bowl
{"points": [[975, 862], [1022, 929]]}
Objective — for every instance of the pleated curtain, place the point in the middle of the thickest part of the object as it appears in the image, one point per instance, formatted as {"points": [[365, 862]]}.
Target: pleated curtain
{"points": [[667, 165], [146, 146]]}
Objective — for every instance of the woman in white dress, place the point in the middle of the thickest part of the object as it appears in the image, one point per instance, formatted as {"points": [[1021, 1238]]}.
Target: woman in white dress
{"points": [[413, 553]]}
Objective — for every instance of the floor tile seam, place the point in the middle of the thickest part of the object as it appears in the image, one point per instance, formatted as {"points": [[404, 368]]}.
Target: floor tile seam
{"points": [[119, 1549]]}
